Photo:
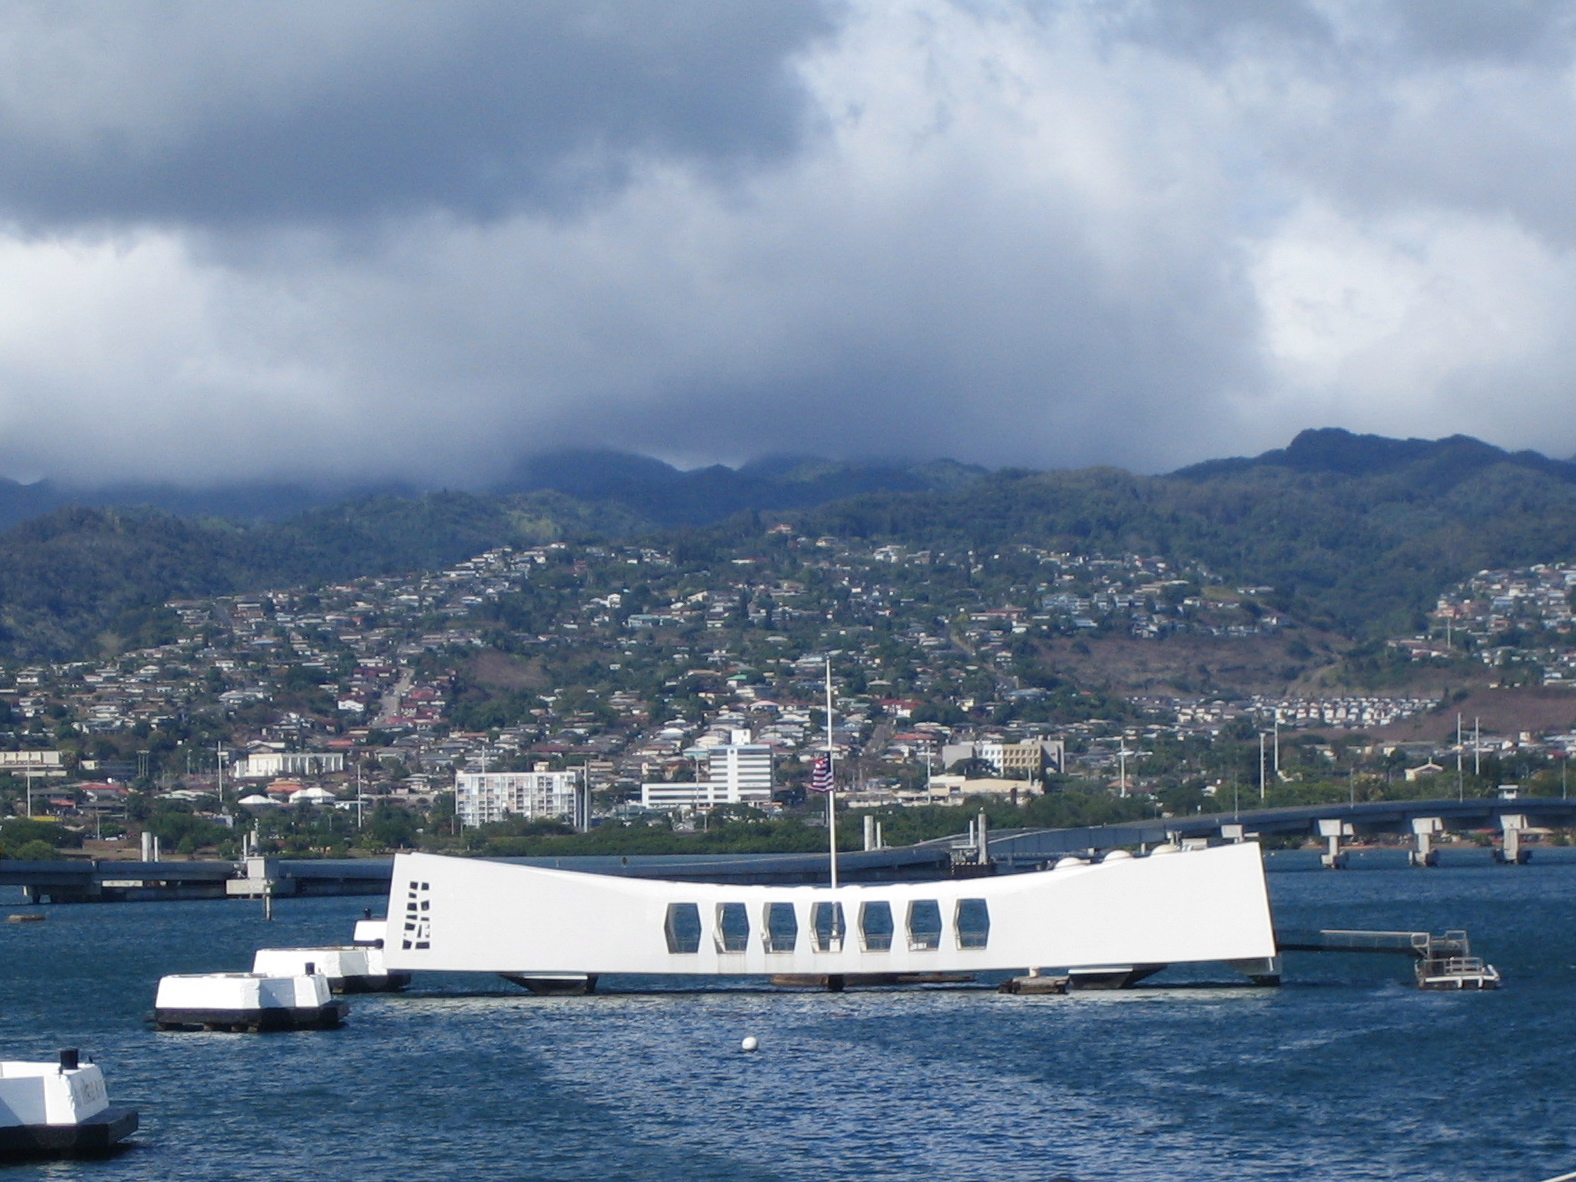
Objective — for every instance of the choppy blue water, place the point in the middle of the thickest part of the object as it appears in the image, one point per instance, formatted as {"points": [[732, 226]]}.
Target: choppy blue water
{"points": [[1346, 1072]]}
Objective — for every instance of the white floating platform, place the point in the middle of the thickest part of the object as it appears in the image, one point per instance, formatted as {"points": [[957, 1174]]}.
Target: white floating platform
{"points": [[246, 1002], [349, 968], [1477, 976], [58, 1109], [1123, 913]]}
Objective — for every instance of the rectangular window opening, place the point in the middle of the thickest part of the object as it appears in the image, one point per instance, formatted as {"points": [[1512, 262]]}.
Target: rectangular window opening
{"points": [[780, 929], [682, 927], [972, 922], [924, 925], [875, 926], [733, 927], [826, 926]]}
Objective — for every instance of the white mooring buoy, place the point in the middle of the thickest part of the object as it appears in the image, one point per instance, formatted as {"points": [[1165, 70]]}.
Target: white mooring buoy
{"points": [[749, 1044]]}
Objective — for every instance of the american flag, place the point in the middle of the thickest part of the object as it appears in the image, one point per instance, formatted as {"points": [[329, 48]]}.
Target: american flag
{"points": [[821, 775]]}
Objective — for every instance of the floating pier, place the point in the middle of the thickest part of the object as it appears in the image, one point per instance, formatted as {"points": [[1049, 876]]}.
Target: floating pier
{"points": [[1442, 962]]}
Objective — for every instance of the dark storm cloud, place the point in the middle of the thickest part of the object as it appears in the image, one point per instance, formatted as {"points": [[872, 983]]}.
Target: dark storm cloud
{"points": [[983, 340], [219, 113], [1141, 232]]}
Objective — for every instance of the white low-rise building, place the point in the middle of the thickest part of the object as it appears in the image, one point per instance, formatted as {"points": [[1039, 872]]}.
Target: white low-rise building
{"points": [[45, 764], [268, 765]]}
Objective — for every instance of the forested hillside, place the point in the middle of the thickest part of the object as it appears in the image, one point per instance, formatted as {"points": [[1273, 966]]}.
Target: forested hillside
{"points": [[1354, 533], [81, 582]]}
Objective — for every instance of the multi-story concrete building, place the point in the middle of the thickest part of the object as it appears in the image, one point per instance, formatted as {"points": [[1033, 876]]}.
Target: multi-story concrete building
{"points": [[739, 772], [1030, 759], [743, 770], [482, 797]]}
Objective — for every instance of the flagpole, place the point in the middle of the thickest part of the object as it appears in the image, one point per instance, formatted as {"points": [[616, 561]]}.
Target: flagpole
{"points": [[831, 795]]}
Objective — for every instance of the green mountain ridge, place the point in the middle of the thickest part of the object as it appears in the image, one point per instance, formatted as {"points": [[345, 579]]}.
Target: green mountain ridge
{"points": [[1361, 541], [1357, 534]]}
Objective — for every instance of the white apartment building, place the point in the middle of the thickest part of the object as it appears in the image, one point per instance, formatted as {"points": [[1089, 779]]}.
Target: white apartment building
{"points": [[481, 797], [739, 772], [267, 765]]}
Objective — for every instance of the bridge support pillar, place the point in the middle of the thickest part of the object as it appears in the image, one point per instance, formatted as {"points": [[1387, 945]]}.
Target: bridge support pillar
{"points": [[1332, 830], [1510, 852], [1424, 828]]}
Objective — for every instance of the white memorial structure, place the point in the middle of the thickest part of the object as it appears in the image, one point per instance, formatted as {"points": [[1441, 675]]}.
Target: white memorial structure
{"points": [[1117, 920]]}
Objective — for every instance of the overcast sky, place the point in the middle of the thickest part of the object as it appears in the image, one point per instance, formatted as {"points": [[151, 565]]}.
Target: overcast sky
{"points": [[364, 240]]}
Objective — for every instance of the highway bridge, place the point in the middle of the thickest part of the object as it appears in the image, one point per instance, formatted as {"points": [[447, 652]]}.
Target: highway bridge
{"points": [[1422, 822], [83, 880], [87, 880]]}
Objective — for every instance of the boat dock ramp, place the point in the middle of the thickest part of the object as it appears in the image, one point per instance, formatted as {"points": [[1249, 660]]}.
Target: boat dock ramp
{"points": [[1441, 962]]}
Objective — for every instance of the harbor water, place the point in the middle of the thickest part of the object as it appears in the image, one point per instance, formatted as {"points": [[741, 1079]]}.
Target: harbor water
{"points": [[1346, 1072]]}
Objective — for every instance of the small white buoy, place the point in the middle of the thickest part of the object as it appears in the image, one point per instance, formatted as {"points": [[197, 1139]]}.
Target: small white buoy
{"points": [[749, 1044]]}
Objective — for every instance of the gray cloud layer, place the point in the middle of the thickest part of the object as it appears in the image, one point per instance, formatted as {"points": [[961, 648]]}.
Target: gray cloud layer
{"points": [[417, 240], [219, 115]]}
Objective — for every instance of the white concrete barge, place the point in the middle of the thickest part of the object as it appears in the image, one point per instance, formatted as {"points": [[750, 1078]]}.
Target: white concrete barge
{"points": [[58, 1109], [349, 968], [369, 932], [1111, 922], [248, 1002]]}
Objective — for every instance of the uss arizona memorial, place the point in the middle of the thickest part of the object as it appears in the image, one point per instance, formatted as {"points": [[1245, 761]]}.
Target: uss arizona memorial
{"points": [[1116, 920]]}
